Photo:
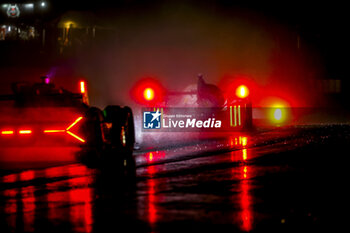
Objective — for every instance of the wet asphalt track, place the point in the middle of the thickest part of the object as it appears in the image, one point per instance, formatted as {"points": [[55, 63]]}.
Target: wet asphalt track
{"points": [[285, 180]]}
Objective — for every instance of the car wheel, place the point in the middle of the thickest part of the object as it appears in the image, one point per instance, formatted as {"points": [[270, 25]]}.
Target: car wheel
{"points": [[92, 128], [122, 131]]}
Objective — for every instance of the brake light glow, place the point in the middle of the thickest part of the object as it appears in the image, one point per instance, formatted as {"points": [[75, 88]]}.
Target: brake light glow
{"points": [[148, 94], [242, 91], [26, 131], [7, 132]]}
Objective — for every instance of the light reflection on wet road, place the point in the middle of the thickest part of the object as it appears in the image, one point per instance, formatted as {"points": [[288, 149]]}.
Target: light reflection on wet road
{"points": [[220, 187]]}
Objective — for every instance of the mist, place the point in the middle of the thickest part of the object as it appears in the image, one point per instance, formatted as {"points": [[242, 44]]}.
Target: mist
{"points": [[174, 42]]}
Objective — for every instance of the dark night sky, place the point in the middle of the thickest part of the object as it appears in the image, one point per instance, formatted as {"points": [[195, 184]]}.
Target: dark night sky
{"points": [[320, 22], [215, 37]]}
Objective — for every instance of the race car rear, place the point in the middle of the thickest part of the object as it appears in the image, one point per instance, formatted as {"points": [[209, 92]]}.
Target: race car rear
{"points": [[201, 101], [40, 115], [42, 126]]}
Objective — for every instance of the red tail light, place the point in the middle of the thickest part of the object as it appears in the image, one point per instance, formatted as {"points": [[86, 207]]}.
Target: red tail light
{"points": [[148, 92], [54, 131], [68, 130], [7, 132], [242, 91], [25, 131]]}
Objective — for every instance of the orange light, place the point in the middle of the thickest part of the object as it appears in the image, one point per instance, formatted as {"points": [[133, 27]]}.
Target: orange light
{"points": [[7, 132], [82, 87], [148, 94], [26, 131], [242, 91], [277, 114]]}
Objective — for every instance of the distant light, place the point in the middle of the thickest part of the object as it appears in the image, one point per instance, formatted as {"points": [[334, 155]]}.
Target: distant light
{"points": [[277, 114], [4, 5], [9, 28], [47, 80], [242, 91], [148, 94], [43, 4], [69, 24], [29, 5]]}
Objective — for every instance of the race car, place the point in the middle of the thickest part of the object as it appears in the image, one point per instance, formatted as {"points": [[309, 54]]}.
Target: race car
{"points": [[41, 115], [203, 100]]}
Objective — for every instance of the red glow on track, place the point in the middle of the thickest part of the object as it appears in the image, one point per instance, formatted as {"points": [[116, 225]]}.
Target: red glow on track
{"points": [[238, 141], [27, 175], [152, 210], [29, 206], [151, 193], [242, 174], [150, 157], [9, 178], [78, 197], [245, 201], [244, 154], [153, 156]]}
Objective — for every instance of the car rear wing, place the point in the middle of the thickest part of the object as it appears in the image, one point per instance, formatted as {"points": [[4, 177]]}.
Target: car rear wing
{"points": [[45, 93]]}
